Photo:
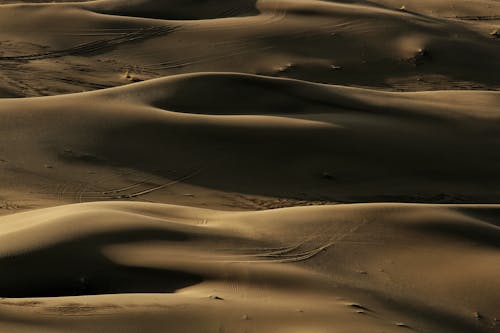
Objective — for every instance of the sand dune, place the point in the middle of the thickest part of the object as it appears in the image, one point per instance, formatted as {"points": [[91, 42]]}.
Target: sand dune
{"points": [[94, 46], [249, 166], [314, 267], [296, 141]]}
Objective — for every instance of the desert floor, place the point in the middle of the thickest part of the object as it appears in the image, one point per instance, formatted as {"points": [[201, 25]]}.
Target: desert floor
{"points": [[250, 166]]}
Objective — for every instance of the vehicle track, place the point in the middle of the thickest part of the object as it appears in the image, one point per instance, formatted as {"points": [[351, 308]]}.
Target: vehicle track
{"points": [[235, 49], [77, 190], [301, 251], [96, 46], [117, 193], [478, 18]]}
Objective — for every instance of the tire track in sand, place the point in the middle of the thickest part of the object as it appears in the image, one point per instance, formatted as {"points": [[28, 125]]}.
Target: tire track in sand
{"points": [[96, 46]]}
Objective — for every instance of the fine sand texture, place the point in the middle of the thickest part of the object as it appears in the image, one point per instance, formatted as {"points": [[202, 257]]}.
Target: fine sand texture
{"points": [[250, 166]]}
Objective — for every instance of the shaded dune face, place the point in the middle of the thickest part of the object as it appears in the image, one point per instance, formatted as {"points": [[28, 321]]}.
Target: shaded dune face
{"points": [[176, 9], [76, 267], [163, 9]]}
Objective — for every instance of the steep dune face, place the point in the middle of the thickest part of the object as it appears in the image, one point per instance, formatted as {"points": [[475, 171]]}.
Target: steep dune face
{"points": [[176, 9], [164, 9], [172, 204]]}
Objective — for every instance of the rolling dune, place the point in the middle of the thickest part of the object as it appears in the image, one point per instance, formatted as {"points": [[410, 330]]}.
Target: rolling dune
{"points": [[249, 166], [298, 141], [250, 270], [94, 46]]}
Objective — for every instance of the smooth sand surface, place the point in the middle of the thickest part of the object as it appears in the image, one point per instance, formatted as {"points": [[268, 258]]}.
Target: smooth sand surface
{"points": [[250, 166]]}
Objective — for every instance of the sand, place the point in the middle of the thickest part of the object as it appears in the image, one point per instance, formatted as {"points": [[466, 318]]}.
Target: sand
{"points": [[249, 166]]}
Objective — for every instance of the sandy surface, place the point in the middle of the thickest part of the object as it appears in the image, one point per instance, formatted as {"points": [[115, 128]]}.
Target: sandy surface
{"points": [[250, 166]]}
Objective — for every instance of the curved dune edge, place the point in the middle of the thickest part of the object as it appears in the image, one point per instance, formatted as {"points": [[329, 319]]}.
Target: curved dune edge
{"points": [[289, 263], [175, 9], [154, 9], [236, 93]]}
